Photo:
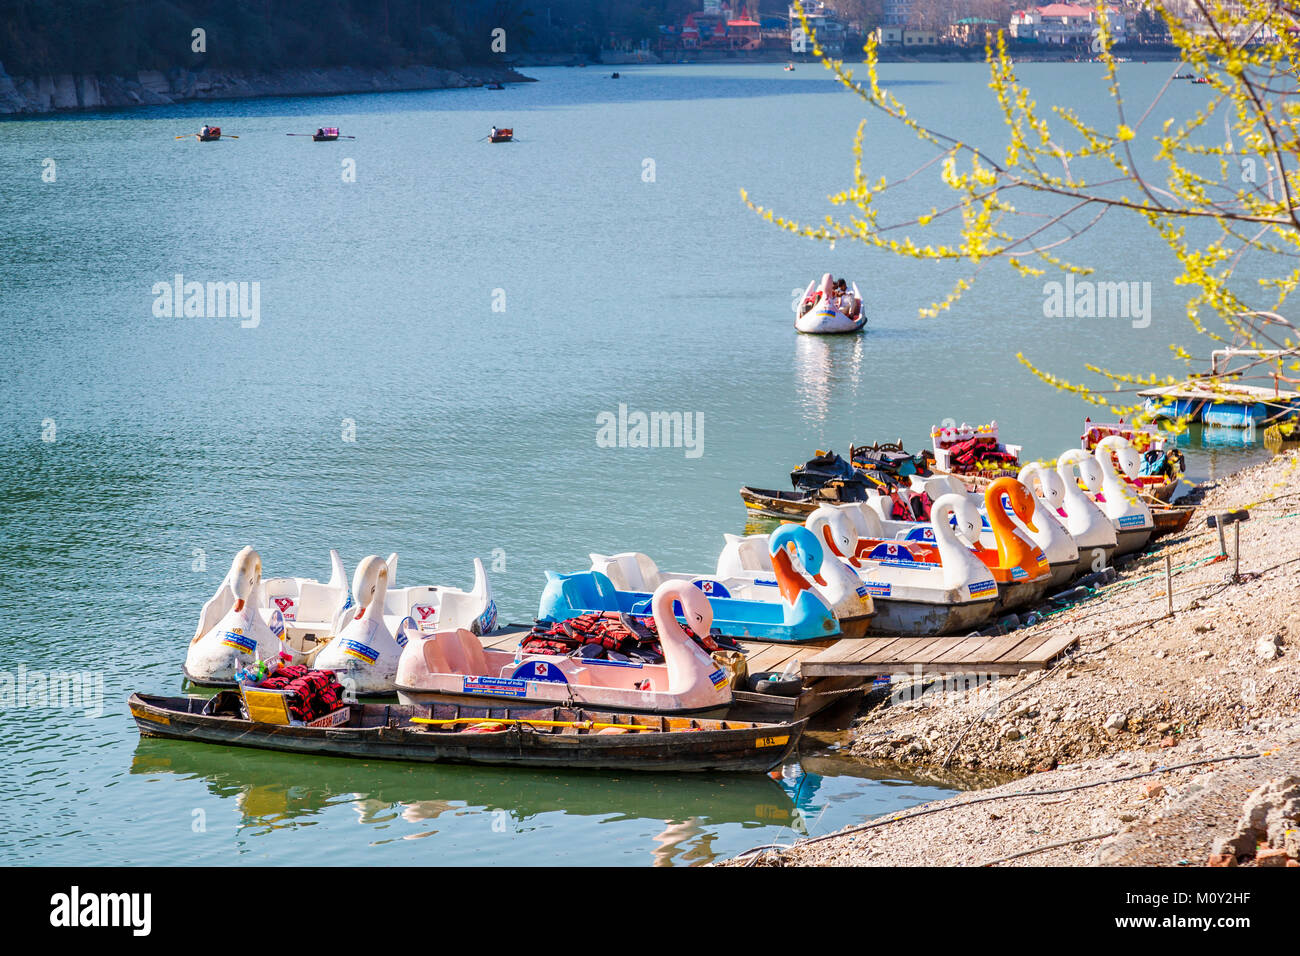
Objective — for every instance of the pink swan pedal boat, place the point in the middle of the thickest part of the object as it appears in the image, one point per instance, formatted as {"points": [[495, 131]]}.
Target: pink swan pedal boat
{"points": [[452, 666]]}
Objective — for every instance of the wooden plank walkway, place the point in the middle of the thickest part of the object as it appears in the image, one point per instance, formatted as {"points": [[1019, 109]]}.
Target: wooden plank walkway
{"points": [[876, 656], [835, 668]]}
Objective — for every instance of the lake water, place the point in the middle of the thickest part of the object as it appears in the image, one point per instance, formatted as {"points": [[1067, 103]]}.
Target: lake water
{"points": [[383, 404]]}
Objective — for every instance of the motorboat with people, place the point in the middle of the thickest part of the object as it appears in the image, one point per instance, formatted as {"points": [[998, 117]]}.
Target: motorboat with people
{"points": [[829, 307], [800, 615], [453, 666], [950, 592], [746, 569]]}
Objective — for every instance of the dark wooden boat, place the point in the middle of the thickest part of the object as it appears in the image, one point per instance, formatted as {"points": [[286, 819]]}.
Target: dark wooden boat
{"points": [[1170, 519], [530, 737], [502, 136], [798, 505]]}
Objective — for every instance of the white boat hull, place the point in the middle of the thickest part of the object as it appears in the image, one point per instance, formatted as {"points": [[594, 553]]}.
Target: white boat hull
{"points": [[828, 322]]}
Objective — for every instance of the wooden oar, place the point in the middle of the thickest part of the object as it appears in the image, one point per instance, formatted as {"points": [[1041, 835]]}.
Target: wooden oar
{"points": [[580, 724]]}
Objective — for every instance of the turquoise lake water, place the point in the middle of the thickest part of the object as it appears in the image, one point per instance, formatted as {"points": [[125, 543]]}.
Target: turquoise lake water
{"points": [[176, 441]]}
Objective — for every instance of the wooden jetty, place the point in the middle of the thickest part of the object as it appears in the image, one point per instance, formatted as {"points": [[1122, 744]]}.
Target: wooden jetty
{"points": [[835, 671]]}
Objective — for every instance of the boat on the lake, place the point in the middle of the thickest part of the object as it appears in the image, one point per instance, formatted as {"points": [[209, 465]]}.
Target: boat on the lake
{"points": [[949, 592], [1120, 501], [252, 618], [755, 568], [453, 666], [800, 615], [829, 307], [1162, 467], [208, 134], [501, 135], [555, 737], [826, 478]]}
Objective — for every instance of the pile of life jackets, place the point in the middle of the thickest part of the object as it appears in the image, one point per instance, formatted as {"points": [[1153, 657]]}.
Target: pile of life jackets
{"points": [[910, 505], [969, 455], [610, 635], [311, 694]]}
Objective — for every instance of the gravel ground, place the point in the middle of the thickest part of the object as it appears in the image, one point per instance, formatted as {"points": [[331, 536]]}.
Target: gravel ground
{"points": [[1144, 690]]}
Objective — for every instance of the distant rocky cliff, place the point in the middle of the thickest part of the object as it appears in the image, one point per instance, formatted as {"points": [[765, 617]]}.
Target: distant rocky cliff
{"points": [[77, 91]]}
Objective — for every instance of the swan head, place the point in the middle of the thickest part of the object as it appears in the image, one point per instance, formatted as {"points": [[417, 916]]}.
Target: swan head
{"points": [[956, 512], [799, 541], [245, 575], [1088, 468], [369, 583], [1021, 502], [835, 529], [696, 608], [1130, 462]]}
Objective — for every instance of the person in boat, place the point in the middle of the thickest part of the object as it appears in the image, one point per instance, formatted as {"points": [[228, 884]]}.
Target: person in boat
{"points": [[493, 134], [204, 132], [320, 130]]}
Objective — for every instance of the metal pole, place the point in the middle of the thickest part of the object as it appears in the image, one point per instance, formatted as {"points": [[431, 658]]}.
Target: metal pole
{"points": [[1236, 551], [1169, 584], [1223, 546]]}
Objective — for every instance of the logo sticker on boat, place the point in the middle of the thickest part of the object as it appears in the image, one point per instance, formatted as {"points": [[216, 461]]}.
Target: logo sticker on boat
{"points": [[540, 671], [712, 588], [1018, 572], [239, 642], [488, 619], [285, 605], [426, 616], [1132, 521], [360, 651], [877, 589], [718, 677], [980, 588], [495, 686]]}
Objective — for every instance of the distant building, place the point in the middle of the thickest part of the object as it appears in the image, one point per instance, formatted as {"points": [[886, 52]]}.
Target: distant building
{"points": [[1065, 24], [972, 30], [905, 37], [826, 24], [894, 13]]}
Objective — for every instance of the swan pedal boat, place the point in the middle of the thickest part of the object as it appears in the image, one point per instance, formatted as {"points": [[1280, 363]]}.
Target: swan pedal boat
{"points": [[801, 615], [754, 568], [1014, 559], [553, 737], [944, 590], [816, 314], [455, 667], [251, 618]]}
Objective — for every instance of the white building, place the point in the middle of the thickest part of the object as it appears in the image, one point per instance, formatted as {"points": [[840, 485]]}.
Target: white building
{"points": [[1065, 23]]}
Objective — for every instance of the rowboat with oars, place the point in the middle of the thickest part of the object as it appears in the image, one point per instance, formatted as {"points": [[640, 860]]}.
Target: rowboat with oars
{"points": [[553, 737], [501, 135], [324, 134]]}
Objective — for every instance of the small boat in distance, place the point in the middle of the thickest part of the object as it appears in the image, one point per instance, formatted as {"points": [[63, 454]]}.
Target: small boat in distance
{"points": [[789, 68], [554, 737], [502, 135], [208, 134], [829, 307], [324, 134], [498, 85]]}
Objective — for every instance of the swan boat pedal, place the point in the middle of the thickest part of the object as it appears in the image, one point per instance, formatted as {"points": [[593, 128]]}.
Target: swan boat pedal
{"points": [[745, 570], [452, 666], [819, 312], [801, 614]]}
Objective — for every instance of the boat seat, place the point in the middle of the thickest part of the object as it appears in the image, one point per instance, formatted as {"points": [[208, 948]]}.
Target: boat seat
{"points": [[316, 606], [630, 571], [589, 590], [455, 652]]}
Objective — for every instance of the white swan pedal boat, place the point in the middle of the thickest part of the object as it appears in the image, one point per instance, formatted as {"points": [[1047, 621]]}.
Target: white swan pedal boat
{"points": [[820, 311], [251, 618]]}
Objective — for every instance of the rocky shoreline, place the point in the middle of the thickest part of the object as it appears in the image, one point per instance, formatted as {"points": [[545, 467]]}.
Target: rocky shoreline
{"points": [[90, 91], [1203, 704]]}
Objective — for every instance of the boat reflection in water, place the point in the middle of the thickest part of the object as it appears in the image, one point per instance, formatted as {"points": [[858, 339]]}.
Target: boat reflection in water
{"points": [[278, 792], [821, 363]]}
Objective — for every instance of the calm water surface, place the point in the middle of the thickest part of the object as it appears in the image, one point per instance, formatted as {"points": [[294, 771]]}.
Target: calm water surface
{"points": [[177, 441]]}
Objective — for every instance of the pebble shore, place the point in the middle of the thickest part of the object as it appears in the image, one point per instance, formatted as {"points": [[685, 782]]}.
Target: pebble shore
{"points": [[1143, 693]]}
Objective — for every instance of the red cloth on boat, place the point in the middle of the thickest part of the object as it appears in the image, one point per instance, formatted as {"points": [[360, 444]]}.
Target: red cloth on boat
{"points": [[622, 633], [974, 451]]}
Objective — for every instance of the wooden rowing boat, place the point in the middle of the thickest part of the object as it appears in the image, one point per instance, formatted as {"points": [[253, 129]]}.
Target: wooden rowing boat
{"points": [[797, 505], [502, 136], [554, 737]]}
